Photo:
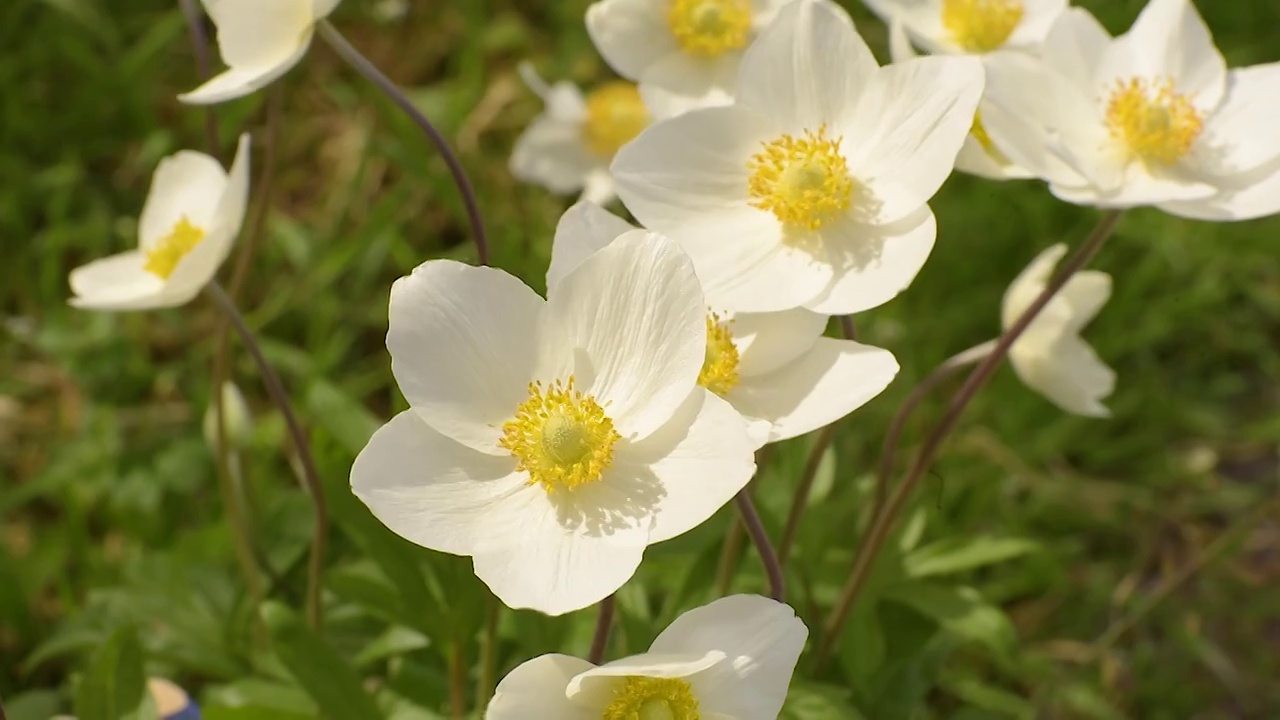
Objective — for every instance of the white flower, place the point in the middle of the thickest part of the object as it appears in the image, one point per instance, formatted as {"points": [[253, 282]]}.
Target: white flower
{"points": [[568, 148], [1050, 356], [811, 190], [683, 53], [776, 369], [949, 27], [730, 660], [1152, 117], [553, 440], [189, 221], [259, 40]]}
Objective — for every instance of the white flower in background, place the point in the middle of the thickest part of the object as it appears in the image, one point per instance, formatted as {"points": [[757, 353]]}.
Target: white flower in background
{"points": [[729, 660], [553, 440], [1050, 356], [189, 221], [683, 53], [950, 27], [776, 369], [260, 41], [1152, 117], [569, 146], [811, 190]]}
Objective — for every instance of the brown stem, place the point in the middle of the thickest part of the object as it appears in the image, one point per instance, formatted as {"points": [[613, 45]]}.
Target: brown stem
{"points": [[800, 499], [882, 524], [847, 327], [310, 477], [730, 549], [604, 623], [755, 528], [457, 681], [200, 46]]}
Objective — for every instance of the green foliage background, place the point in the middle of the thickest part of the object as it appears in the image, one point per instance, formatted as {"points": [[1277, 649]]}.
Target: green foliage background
{"points": [[1037, 533]]}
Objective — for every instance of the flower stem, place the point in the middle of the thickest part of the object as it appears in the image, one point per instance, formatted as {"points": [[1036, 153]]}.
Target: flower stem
{"points": [[488, 654], [200, 46], [604, 623], [883, 522], [801, 497], [457, 681], [729, 551], [374, 75], [310, 477], [755, 528]]}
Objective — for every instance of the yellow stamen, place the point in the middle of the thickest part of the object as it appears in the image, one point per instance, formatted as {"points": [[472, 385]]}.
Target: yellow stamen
{"points": [[980, 26], [648, 698], [708, 28], [561, 437], [163, 258], [615, 115], [1153, 122], [719, 372], [979, 133], [803, 181]]}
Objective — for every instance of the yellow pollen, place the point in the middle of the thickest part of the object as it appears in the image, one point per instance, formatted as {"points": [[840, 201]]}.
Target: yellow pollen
{"points": [[1155, 123], [561, 437], [615, 115], [719, 372], [803, 181], [163, 259], [708, 28], [979, 133], [980, 26], [648, 698]]}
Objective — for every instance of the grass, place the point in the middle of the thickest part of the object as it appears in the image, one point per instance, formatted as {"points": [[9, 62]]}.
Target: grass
{"points": [[109, 506]]}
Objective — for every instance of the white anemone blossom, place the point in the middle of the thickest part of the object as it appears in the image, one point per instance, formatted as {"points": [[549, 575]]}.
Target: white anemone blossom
{"points": [[1050, 357], [1152, 117], [775, 369], [729, 660], [569, 146], [552, 441], [683, 53], [191, 217], [811, 190], [260, 41]]}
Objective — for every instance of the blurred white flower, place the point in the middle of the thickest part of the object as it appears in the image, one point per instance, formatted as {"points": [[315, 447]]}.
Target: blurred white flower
{"points": [[683, 53], [569, 146], [1152, 117], [191, 217], [237, 419], [811, 190], [1050, 356], [553, 440], [977, 27], [731, 660], [259, 41], [776, 369]]}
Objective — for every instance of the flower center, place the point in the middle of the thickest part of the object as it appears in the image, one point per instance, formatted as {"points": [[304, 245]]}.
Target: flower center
{"points": [[981, 26], [1155, 123], [615, 115], [803, 181], [163, 259], [708, 28], [979, 133], [561, 437], [719, 372], [647, 698]]}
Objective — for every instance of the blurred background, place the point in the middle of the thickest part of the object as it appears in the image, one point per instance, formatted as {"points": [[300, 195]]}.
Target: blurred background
{"points": [[1052, 567]]}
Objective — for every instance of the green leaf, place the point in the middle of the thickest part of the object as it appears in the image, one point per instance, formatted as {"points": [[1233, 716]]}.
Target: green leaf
{"points": [[34, 705], [812, 701], [954, 555], [396, 640], [318, 668], [114, 686], [347, 420], [962, 612], [984, 696]]}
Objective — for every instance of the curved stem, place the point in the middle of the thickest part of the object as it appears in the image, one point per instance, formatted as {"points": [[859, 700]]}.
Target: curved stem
{"points": [[200, 46], [801, 497], [730, 549], [882, 524], [847, 327], [755, 528], [310, 477], [604, 624], [374, 75]]}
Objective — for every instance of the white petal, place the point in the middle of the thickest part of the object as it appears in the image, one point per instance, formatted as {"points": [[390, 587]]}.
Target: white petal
{"points": [[762, 639], [251, 32], [700, 459], [563, 101], [595, 688], [976, 160], [552, 153], [1085, 293], [535, 690], [1075, 47], [1170, 40], [1037, 19], [1259, 198], [583, 229], [678, 83], [1029, 284], [431, 490], [767, 341], [1240, 137], [808, 67], [186, 184], [117, 282], [323, 8], [1068, 373], [902, 139], [900, 48], [630, 34], [630, 321], [830, 381], [245, 79], [1141, 186], [874, 263], [748, 263], [463, 343], [598, 187]]}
